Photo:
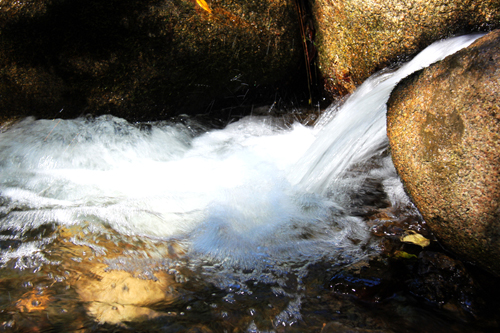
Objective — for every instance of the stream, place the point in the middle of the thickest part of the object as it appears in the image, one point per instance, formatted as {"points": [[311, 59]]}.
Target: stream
{"points": [[266, 225]]}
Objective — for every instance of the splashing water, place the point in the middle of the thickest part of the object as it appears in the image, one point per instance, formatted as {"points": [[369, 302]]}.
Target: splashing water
{"points": [[256, 194], [357, 131]]}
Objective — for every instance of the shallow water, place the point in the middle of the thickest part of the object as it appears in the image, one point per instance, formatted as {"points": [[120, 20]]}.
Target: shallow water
{"points": [[174, 226]]}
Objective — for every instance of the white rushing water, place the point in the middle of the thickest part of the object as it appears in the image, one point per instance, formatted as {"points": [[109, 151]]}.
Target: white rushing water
{"points": [[253, 192], [358, 130]]}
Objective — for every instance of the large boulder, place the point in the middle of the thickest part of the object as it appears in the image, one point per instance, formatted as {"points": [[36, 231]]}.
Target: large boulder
{"points": [[444, 131], [356, 38], [145, 59]]}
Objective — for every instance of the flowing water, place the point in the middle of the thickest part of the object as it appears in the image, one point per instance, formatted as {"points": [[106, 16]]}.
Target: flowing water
{"points": [[178, 226]]}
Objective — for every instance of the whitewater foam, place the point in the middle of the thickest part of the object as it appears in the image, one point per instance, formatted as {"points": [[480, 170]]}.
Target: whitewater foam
{"points": [[253, 194]]}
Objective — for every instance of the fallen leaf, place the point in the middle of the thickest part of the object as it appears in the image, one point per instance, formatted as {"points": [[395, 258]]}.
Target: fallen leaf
{"points": [[204, 5], [414, 238], [405, 255]]}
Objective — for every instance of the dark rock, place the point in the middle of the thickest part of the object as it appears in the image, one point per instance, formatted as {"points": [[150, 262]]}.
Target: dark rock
{"points": [[145, 60], [370, 281], [397, 294], [443, 128], [356, 38], [336, 327], [446, 283]]}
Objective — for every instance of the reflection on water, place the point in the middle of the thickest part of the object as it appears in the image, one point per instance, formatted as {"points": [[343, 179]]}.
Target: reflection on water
{"points": [[112, 282]]}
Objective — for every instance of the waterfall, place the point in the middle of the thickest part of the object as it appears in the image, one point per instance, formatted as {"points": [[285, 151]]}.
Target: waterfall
{"points": [[357, 130], [256, 193]]}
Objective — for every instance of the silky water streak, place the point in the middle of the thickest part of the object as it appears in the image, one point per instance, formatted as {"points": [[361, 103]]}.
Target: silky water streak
{"points": [[254, 194], [356, 132]]}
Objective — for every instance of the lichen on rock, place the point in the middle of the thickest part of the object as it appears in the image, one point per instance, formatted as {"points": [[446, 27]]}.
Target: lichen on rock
{"points": [[357, 38], [443, 124]]}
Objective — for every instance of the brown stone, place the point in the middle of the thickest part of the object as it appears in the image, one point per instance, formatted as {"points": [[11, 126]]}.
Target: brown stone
{"points": [[116, 296], [446, 283], [356, 38], [443, 127], [144, 60]]}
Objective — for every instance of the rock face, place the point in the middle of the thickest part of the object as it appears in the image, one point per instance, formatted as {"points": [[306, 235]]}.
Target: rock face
{"points": [[143, 59], [444, 131], [356, 38]]}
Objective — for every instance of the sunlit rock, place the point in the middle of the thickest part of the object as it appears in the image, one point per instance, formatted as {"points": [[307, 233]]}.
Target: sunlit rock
{"points": [[443, 127], [116, 296], [356, 38], [145, 59], [113, 295]]}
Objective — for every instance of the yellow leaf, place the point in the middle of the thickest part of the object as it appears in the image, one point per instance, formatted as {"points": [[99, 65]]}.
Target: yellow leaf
{"points": [[405, 255], [414, 238], [204, 5]]}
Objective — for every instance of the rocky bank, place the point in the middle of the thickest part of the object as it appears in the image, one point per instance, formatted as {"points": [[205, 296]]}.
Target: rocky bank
{"points": [[146, 60]]}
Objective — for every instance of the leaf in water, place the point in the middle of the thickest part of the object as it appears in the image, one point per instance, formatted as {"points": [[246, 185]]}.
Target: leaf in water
{"points": [[204, 5], [405, 255], [414, 238]]}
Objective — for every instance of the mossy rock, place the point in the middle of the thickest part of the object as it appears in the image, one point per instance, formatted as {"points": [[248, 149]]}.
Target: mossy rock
{"points": [[145, 60], [354, 39]]}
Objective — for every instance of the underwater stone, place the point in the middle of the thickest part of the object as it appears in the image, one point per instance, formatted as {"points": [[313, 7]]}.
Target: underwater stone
{"points": [[443, 126]]}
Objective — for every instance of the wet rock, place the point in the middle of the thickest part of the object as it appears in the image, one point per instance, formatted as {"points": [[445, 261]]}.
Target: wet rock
{"points": [[336, 327], [356, 38], [386, 293], [145, 60], [432, 278], [443, 128], [116, 294], [370, 281], [115, 297], [446, 283]]}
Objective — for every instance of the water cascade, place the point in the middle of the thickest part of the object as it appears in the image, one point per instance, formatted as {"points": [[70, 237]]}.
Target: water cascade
{"points": [[357, 131], [258, 195]]}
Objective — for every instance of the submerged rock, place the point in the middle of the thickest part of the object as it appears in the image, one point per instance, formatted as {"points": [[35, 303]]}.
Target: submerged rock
{"points": [[443, 127], [116, 296], [445, 282], [145, 60], [356, 38]]}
